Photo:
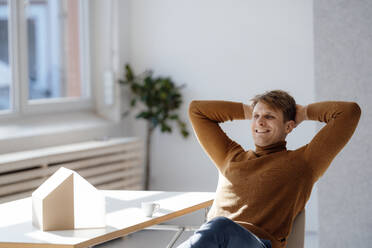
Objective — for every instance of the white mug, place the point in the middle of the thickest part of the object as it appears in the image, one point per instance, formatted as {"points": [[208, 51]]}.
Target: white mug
{"points": [[149, 208]]}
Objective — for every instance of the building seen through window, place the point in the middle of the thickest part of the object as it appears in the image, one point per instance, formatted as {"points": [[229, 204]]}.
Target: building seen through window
{"points": [[5, 80]]}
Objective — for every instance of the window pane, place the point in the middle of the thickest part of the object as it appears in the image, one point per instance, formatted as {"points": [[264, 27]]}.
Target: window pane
{"points": [[5, 78], [53, 31]]}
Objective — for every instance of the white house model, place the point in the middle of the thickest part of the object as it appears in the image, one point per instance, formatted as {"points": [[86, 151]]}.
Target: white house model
{"points": [[67, 201]]}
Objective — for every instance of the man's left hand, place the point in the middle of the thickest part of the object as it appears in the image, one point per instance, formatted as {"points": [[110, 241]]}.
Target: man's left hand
{"points": [[301, 114]]}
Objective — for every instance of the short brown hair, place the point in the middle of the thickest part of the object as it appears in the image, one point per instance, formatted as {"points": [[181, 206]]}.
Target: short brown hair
{"points": [[278, 99]]}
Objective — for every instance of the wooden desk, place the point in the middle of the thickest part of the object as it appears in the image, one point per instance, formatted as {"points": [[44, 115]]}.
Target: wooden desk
{"points": [[123, 216]]}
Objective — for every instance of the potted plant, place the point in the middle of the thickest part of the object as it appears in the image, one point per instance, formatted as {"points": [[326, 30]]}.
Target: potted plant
{"points": [[160, 99]]}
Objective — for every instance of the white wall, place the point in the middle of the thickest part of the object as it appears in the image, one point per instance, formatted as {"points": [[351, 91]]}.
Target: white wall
{"points": [[228, 50]]}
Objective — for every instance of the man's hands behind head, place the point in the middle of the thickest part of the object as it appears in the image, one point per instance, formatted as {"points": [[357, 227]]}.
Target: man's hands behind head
{"points": [[247, 111], [301, 114]]}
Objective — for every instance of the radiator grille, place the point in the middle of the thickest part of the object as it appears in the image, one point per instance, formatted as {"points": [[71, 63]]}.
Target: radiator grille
{"points": [[110, 164]]}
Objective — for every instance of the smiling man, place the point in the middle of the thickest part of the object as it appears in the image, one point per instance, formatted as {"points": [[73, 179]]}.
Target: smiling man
{"points": [[261, 191]]}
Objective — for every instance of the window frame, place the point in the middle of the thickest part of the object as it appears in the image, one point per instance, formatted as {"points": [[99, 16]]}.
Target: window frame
{"points": [[20, 105]]}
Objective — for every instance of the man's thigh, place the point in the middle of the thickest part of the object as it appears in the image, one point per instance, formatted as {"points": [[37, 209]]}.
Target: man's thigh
{"points": [[223, 232]]}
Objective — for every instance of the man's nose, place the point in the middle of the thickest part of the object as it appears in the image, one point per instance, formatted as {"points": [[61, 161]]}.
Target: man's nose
{"points": [[261, 121]]}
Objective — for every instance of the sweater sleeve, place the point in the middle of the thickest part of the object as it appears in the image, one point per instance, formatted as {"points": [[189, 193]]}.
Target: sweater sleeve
{"points": [[205, 117], [341, 119]]}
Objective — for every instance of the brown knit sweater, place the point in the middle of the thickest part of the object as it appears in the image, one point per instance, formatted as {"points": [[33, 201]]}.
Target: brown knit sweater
{"points": [[265, 189]]}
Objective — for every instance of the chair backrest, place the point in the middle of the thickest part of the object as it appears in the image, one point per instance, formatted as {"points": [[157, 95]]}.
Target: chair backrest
{"points": [[296, 238]]}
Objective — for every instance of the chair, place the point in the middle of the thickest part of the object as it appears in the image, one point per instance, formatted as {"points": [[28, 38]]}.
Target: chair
{"points": [[296, 238]]}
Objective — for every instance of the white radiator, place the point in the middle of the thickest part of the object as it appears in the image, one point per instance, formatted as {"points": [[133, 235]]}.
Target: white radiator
{"points": [[111, 164]]}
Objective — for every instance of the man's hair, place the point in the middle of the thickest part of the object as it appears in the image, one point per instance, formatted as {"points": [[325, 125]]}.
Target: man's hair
{"points": [[279, 100]]}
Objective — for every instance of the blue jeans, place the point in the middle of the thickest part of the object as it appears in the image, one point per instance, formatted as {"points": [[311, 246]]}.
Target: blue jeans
{"points": [[222, 232]]}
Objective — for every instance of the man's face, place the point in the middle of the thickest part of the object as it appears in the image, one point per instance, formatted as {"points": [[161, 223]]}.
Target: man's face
{"points": [[268, 126]]}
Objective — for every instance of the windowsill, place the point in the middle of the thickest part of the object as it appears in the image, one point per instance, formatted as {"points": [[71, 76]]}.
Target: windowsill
{"points": [[48, 124]]}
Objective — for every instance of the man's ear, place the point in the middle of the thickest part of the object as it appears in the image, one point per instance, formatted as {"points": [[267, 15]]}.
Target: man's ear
{"points": [[289, 125]]}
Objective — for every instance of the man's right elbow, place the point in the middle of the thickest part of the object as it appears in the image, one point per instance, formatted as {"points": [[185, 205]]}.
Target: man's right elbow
{"points": [[193, 106]]}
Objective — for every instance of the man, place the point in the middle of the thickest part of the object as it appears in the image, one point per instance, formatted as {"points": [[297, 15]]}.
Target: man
{"points": [[260, 192]]}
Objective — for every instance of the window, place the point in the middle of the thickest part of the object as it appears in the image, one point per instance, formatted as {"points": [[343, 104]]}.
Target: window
{"points": [[5, 81], [43, 55]]}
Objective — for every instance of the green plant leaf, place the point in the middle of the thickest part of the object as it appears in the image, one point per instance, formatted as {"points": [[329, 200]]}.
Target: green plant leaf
{"points": [[129, 73], [165, 127], [185, 133], [144, 115], [173, 117]]}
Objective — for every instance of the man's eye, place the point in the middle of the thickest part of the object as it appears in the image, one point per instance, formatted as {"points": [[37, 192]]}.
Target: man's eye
{"points": [[269, 117], [255, 116]]}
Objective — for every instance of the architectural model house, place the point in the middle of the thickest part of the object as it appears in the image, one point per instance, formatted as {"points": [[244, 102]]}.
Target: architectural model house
{"points": [[67, 201]]}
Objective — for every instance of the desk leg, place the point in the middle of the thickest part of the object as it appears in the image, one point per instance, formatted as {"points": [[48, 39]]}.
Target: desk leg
{"points": [[206, 211], [179, 229], [175, 237]]}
